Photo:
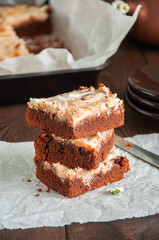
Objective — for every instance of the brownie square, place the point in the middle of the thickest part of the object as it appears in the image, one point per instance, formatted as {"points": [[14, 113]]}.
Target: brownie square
{"points": [[74, 182], [77, 114], [84, 152]]}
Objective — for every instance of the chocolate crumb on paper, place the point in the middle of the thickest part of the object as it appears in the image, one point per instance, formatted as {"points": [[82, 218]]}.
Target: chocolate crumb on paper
{"points": [[128, 146]]}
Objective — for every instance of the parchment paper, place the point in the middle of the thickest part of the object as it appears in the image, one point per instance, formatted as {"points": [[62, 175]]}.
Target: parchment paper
{"points": [[92, 29], [20, 208]]}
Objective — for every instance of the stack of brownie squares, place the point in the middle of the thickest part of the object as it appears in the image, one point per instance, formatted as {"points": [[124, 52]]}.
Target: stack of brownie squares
{"points": [[73, 152]]}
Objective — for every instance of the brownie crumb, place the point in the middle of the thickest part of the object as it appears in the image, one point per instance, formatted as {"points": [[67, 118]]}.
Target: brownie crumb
{"points": [[28, 180], [37, 195], [48, 190], [129, 145], [39, 190]]}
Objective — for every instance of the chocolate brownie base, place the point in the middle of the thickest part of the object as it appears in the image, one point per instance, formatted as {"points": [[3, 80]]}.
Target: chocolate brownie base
{"points": [[89, 126], [76, 187], [36, 44], [34, 27], [51, 149], [27, 19]]}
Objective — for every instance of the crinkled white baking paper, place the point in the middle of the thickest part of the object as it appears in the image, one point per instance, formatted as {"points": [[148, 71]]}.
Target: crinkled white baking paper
{"points": [[20, 208], [92, 29]]}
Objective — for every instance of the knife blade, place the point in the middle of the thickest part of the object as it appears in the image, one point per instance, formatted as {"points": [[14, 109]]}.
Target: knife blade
{"points": [[136, 151]]}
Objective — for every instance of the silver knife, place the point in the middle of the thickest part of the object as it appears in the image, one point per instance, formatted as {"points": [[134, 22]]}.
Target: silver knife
{"points": [[136, 151]]}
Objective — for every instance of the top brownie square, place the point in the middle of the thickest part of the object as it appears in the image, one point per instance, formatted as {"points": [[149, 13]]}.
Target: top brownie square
{"points": [[76, 114]]}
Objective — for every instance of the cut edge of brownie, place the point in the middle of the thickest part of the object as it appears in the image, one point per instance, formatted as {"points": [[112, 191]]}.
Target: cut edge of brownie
{"points": [[34, 28], [47, 148], [90, 126], [76, 187]]}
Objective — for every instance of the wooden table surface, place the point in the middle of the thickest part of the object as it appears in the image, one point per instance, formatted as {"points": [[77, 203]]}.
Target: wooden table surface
{"points": [[13, 128]]}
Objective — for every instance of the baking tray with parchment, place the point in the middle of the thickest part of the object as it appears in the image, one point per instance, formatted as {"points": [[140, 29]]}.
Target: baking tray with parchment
{"points": [[20, 87]]}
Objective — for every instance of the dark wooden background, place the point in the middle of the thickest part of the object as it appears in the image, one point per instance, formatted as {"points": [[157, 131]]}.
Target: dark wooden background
{"points": [[13, 128]]}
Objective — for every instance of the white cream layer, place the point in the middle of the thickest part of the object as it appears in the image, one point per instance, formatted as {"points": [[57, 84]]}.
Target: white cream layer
{"points": [[11, 45], [12, 16], [86, 176], [78, 105], [93, 142], [22, 13]]}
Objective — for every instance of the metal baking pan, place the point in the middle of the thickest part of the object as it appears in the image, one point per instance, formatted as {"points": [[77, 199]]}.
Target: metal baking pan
{"points": [[20, 87]]}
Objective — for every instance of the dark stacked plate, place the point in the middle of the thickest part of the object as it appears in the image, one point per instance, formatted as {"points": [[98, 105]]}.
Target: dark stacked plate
{"points": [[142, 92]]}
